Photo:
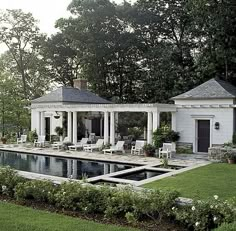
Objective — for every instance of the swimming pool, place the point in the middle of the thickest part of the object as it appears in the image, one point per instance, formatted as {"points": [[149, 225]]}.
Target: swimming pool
{"points": [[60, 166]]}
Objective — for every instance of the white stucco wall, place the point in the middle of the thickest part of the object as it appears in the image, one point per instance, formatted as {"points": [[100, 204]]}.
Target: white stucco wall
{"points": [[54, 122], [35, 121], [186, 124]]}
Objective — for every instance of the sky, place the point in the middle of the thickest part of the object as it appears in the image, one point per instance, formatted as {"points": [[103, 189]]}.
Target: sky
{"points": [[46, 11]]}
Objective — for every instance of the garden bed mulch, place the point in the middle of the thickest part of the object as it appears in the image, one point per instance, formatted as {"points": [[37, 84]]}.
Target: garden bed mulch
{"points": [[163, 225]]}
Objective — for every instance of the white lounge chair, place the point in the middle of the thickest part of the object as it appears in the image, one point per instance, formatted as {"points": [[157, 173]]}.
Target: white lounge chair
{"points": [[80, 144], [40, 142], [22, 139], [59, 144], [91, 147], [166, 150], [137, 149], [119, 147]]}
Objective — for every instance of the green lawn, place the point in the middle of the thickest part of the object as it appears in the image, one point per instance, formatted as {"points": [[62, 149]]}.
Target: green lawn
{"points": [[18, 218], [203, 182]]}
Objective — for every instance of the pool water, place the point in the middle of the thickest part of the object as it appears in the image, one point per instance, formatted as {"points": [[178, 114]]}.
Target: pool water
{"points": [[61, 167], [140, 175]]}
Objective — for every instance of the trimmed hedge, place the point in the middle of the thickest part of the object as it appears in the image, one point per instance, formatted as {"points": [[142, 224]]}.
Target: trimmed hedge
{"points": [[125, 202]]}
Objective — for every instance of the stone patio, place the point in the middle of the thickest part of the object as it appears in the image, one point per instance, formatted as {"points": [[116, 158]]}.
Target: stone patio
{"points": [[189, 161]]}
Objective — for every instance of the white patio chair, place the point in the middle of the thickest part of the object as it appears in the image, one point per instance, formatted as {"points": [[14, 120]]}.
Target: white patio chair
{"points": [[119, 147], [80, 144], [40, 141], [22, 139], [92, 147], [166, 150], [137, 149], [59, 144]]}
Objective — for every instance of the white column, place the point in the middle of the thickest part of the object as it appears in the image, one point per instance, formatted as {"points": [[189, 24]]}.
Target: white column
{"points": [[106, 127], [74, 169], [69, 168], [173, 121], [101, 125], [69, 126], [156, 120], [112, 128], [106, 169], [116, 121], [74, 127], [112, 168], [37, 122], [145, 133], [149, 128], [42, 124]]}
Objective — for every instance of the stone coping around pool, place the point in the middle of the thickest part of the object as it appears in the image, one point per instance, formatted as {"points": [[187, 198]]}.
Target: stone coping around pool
{"points": [[58, 180], [96, 156], [114, 177], [146, 163], [171, 173]]}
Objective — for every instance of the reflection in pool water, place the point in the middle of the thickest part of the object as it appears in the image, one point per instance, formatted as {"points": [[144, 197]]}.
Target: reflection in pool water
{"points": [[56, 166]]}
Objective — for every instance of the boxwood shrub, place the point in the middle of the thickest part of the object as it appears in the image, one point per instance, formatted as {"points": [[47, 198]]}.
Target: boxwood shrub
{"points": [[80, 197], [9, 180], [38, 190]]}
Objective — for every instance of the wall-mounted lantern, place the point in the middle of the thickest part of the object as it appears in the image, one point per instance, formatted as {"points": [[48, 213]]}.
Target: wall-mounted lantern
{"points": [[217, 125], [57, 116]]}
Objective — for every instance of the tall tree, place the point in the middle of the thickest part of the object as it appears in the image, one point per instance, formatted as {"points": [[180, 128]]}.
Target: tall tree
{"points": [[20, 33], [61, 59], [214, 27], [105, 46], [14, 117]]}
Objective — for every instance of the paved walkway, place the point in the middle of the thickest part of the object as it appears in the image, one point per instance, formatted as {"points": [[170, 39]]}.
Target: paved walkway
{"points": [[178, 159]]}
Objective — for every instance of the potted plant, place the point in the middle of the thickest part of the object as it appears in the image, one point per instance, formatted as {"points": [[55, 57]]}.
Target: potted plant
{"points": [[4, 140], [231, 156], [172, 137], [59, 131], [149, 150]]}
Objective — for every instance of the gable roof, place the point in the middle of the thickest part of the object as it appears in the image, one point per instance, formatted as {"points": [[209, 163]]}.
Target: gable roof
{"points": [[71, 95], [212, 89]]}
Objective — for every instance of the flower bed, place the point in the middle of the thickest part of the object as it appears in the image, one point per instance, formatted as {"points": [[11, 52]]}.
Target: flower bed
{"points": [[118, 203]]}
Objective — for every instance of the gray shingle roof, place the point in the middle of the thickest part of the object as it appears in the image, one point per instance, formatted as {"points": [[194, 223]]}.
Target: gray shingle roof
{"points": [[71, 95], [212, 89]]}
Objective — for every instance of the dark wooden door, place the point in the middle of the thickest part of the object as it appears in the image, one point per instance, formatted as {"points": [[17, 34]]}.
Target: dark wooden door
{"points": [[203, 135], [47, 128], [96, 126]]}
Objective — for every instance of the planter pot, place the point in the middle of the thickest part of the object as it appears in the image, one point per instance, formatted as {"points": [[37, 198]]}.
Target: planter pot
{"points": [[231, 161], [4, 141], [148, 154]]}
